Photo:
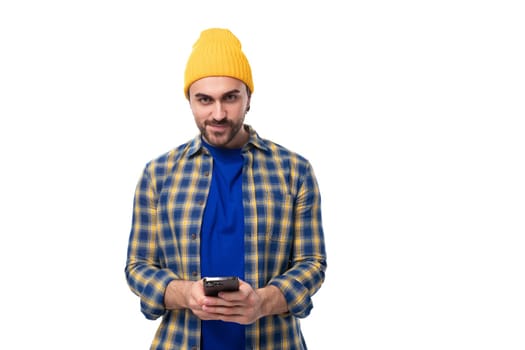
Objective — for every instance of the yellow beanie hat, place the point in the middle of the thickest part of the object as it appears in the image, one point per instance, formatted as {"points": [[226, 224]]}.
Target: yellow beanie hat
{"points": [[217, 52]]}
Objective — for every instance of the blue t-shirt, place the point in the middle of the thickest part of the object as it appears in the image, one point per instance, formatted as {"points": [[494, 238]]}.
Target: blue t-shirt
{"points": [[222, 240]]}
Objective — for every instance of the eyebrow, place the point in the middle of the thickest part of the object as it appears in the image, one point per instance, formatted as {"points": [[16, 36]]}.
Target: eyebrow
{"points": [[201, 95]]}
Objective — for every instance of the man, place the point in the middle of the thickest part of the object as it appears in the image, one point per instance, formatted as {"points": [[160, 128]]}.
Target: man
{"points": [[227, 203]]}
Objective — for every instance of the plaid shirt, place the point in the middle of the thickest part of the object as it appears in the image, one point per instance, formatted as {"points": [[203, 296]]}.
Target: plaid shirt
{"points": [[284, 240]]}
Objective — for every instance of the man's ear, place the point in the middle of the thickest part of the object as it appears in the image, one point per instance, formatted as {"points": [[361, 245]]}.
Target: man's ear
{"points": [[249, 93]]}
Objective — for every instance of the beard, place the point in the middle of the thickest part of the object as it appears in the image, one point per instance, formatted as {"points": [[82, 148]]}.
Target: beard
{"points": [[222, 136]]}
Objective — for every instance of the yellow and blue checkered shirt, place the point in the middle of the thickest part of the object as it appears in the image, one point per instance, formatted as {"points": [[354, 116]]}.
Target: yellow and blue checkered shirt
{"points": [[284, 240]]}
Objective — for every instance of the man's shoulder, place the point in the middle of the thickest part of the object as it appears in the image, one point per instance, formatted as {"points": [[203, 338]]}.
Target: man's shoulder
{"points": [[168, 158], [279, 151]]}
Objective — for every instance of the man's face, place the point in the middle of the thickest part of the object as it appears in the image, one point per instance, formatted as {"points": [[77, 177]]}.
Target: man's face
{"points": [[219, 105]]}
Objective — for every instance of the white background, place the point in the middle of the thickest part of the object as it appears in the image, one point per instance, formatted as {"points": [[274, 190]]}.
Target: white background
{"points": [[411, 113]]}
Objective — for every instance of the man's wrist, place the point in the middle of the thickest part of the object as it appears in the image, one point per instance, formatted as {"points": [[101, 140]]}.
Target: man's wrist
{"points": [[175, 294], [272, 301]]}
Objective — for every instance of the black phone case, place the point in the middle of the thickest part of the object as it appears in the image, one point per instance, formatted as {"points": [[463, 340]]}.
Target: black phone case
{"points": [[214, 285]]}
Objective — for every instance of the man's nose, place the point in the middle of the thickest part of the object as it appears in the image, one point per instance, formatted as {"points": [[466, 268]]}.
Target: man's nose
{"points": [[219, 112]]}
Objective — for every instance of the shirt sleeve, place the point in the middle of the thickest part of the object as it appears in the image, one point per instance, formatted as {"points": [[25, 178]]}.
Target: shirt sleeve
{"points": [[308, 262], [144, 274]]}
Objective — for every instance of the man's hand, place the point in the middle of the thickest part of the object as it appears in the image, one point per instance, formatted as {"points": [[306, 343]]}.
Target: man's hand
{"points": [[244, 306]]}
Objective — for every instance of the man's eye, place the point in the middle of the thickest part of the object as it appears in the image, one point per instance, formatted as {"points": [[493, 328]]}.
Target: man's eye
{"points": [[204, 100], [230, 98]]}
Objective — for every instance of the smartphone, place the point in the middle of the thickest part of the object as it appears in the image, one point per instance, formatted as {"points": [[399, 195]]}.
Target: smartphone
{"points": [[214, 285]]}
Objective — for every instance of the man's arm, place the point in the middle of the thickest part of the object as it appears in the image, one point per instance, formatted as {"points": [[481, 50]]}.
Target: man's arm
{"points": [[272, 301], [177, 294]]}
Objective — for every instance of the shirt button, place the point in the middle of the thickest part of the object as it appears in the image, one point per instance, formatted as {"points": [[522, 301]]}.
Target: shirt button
{"points": [[206, 173], [194, 273], [193, 236]]}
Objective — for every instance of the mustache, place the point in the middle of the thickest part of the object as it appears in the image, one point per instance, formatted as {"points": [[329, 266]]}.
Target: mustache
{"points": [[220, 122]]}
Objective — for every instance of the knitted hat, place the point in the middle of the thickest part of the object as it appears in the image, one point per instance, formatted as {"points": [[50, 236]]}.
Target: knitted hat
{"points": [[217, 52]]}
